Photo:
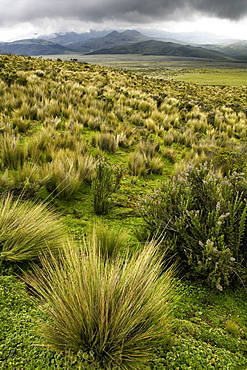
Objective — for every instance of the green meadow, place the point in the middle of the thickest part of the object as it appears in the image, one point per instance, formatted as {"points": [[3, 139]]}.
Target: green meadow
{"points": [[227, 77], [123, 213]]}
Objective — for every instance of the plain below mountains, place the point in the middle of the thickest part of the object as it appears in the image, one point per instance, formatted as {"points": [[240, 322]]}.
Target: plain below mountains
{"points": [[127, 42]]}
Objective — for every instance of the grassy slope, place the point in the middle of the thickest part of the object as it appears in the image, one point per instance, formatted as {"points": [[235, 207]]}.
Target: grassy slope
{"points": [[211, 326]]}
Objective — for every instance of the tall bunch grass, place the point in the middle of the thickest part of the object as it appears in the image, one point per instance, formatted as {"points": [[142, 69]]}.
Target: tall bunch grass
{"points": [[61, 176], [105, 141], [145, 159], [27, 230], [110, 241], [12, 153], [118, 313]]}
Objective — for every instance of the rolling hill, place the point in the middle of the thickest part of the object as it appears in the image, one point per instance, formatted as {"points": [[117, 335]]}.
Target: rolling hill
{"points": [[236, 49], [33, 47], [154, 47]]}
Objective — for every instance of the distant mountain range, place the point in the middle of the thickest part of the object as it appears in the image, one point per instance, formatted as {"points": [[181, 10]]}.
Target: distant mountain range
{"points": [[154, 47], [111, 40], [127, 42]]}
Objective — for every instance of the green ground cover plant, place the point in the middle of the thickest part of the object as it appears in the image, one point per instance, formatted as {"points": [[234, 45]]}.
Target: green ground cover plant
{"points": [[55, 130]]}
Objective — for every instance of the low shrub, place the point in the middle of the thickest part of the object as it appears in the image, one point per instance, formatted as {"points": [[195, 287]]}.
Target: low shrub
{"points": [[116, 313], [106, 182], [202, 217]]}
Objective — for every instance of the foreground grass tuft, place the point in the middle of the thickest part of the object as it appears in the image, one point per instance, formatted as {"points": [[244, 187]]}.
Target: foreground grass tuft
{"points": [[118, 312]]}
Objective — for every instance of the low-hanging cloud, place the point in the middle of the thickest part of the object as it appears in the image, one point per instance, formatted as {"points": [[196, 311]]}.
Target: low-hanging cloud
{"points": [[137, 11]]}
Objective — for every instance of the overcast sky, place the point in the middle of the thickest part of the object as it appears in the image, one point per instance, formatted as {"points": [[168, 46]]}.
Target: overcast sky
{"points": [[31, 18]]}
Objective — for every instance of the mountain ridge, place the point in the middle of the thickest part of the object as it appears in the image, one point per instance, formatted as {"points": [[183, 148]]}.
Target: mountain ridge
{"points": [[115, 42], [154, 47]]}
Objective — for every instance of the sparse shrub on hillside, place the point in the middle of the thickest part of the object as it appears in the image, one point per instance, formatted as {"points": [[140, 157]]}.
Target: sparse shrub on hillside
{"points": [[202, 218], [107, 180], [27, 230], [117, 313]]}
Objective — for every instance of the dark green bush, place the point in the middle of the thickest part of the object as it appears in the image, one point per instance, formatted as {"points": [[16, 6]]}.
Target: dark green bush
{"points": [[202, 218], [106, 182]]}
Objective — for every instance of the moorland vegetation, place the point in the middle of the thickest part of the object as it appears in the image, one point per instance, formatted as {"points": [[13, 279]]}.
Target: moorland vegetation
{"points": [[123, 219]]}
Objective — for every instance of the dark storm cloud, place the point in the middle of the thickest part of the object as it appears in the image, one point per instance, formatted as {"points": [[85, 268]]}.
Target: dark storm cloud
{"points": [[138, 11]]}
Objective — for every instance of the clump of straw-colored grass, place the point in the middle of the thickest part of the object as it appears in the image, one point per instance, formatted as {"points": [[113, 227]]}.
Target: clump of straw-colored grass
{"points": [[27, 230], [118, 312], [110, 241]]}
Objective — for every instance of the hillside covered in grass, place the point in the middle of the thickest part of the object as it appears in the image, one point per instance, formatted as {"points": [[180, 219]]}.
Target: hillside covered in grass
{"points": [[116, 160]]}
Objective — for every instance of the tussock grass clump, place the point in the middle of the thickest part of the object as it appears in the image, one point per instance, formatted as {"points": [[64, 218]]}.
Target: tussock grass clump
{"points": [[109, 240], [118, 313], [86, 167], [137, 164], [27, 230], [155, 165], [148, 148], [145, 159], [62, 177], [105, 141], [12, 153]]}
